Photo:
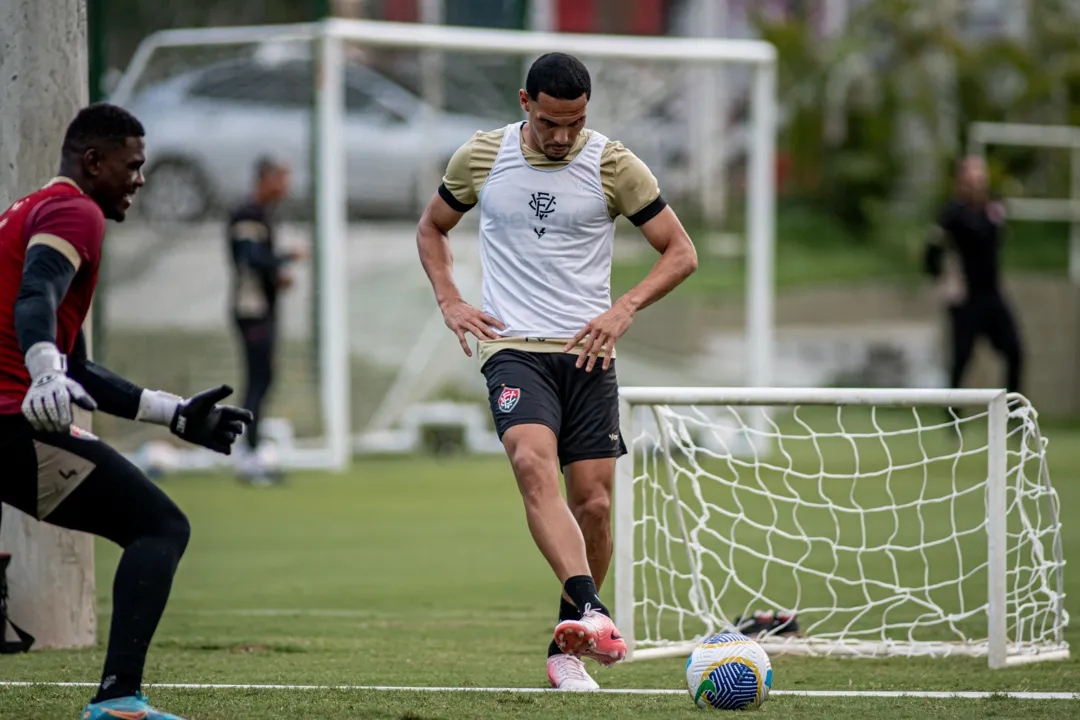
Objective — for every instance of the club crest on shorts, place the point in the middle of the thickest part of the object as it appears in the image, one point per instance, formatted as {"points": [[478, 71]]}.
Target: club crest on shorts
{"points": [[78, 432], [508, 399]]}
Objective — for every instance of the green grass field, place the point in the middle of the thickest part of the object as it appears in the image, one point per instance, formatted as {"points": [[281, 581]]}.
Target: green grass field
{"points": [[421, 572]]}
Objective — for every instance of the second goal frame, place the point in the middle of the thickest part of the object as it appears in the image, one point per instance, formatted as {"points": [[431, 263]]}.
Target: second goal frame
{"points": [[995, 404], [1066, 137]]}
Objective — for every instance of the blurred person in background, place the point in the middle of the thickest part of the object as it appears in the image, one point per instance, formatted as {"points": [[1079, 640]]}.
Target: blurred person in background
{"points": [[259, 273], [969, 230]]}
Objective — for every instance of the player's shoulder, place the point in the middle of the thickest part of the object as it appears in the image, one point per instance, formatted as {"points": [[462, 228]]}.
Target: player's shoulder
{"points": [[495, 134], [486, 140], [621, 160], [67, 209], [71, 202], [247, 210], [616, 152], [70, 221]]}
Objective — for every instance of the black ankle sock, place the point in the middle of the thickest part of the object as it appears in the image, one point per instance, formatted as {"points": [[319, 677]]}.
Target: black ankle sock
{"points": [[567, 611], [116, 686], [582, 590]]}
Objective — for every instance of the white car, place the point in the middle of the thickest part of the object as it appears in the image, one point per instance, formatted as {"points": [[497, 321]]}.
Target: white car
{"points": [[205, 129]]}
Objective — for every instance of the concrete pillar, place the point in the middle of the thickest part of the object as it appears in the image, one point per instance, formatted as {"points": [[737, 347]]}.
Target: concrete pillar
{"points": [[43, 83]]}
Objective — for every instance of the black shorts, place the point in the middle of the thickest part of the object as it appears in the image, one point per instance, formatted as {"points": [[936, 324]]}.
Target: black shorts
{"points": [[42, 469], [581, 408]]}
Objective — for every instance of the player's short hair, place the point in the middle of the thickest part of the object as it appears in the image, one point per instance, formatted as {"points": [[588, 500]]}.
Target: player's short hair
{"points": [[559, 75], [100, 124]]}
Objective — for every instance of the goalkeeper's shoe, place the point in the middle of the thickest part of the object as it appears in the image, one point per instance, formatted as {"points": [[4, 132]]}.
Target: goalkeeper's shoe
{"points": [[566, 672], [594, 636], [133, 707]]}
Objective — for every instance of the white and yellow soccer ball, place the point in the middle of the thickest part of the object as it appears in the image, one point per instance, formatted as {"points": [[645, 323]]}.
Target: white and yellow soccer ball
{"points": [[728, 671]]}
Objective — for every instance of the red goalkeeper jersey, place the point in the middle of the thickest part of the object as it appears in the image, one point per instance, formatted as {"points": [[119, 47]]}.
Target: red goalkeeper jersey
{"points": [[66, 219]]}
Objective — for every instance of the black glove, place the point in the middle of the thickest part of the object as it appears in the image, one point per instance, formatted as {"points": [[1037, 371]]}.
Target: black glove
{"points": [[201, 421]]}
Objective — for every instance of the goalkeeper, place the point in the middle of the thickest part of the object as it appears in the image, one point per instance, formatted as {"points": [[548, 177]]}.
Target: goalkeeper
{"points": [[50, 250]]}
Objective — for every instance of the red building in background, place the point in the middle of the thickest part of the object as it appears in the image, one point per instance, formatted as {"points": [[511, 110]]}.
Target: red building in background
{"points": [[631, 17]]}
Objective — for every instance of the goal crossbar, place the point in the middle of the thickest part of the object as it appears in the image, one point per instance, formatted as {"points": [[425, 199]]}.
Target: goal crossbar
{"points": [[434, 37], [884, 397], [682, 511]]}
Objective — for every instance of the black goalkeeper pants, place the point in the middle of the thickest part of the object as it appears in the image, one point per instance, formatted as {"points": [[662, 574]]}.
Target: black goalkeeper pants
{"points": [[985, 315], [75, 481], [259, 339]]}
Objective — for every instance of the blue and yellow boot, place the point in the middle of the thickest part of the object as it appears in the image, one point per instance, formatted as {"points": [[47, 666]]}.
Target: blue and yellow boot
{"points": [[133, 707]]}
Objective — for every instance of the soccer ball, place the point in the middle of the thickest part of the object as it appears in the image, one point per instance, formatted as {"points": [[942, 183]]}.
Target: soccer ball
{"points": [[728, 671]]}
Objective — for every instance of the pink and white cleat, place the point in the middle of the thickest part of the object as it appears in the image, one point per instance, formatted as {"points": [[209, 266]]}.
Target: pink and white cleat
{"points": [[566, 672], [594, 636]]}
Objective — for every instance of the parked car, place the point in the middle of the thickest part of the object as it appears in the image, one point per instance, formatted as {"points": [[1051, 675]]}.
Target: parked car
{"points": [[206, 127]]}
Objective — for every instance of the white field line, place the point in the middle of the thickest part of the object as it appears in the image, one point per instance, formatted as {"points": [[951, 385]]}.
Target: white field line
{"points": [[610, 691], [345, 613]]}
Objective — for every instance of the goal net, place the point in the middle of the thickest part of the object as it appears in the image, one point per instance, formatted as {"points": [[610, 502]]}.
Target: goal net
{"points": [[884, 522], [367, 114]]}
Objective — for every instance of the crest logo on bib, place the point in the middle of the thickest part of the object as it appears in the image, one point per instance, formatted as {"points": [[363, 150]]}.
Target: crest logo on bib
{"points": [[542, 203]]}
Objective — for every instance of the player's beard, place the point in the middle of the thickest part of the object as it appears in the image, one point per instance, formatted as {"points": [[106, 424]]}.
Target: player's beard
{"points": [[115, 214], [118, 210], [112, 207]]}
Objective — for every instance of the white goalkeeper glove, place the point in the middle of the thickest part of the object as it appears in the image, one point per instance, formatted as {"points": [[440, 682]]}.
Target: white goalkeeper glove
{"points": [[47, 404]]}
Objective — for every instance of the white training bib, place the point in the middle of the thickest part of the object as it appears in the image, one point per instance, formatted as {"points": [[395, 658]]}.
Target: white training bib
{"points": [[546, 240]]}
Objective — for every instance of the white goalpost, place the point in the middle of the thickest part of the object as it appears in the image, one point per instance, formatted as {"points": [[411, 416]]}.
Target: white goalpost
{"points": [[889, 522], [340, 45], [1065, 137]]}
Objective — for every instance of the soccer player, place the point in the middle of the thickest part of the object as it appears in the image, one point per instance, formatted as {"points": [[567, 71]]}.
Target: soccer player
{"points": [[50, 250], [970, 225], [549, 191], [259, 271]]}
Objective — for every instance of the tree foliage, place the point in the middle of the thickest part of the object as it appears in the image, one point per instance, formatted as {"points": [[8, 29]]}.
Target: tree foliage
{"points": [[127, 22], [878, 113]]}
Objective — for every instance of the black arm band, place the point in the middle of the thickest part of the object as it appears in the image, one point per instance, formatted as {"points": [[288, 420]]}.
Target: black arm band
{"points": [[648, 212], [452, 201], [47, 274], [114, 395]]}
